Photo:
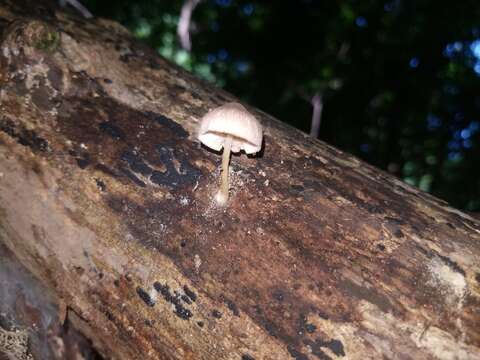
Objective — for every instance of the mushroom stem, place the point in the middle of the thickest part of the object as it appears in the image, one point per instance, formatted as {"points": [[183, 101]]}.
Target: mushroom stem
{"points": [[222, 196]]}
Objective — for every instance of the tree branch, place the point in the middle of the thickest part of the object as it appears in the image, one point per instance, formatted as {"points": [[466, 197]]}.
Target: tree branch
{"points": [[317, 105], [184, 23]]}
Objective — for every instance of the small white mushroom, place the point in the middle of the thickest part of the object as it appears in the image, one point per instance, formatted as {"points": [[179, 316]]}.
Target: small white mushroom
{"points": [[232, 127]]}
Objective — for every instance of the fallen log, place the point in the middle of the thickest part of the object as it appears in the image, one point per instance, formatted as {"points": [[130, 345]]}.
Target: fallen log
{"points": [[107, 198]]}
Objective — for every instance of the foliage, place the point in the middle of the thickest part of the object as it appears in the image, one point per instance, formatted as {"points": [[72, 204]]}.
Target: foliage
{"points": [[400, 79]]}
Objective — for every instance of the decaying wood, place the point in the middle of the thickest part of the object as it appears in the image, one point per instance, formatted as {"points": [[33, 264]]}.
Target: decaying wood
{"points": [[107, 198], [44, 332]]}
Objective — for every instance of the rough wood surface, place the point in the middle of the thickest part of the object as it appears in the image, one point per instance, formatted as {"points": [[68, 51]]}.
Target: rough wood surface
{"points": [[107, 198], [32, 324]]}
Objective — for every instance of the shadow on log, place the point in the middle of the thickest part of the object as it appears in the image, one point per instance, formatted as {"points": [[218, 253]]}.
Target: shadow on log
{"points": [[106, 197]]}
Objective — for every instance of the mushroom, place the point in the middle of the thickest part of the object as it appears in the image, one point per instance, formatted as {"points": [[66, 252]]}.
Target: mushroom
{"points": [[232, 127]]}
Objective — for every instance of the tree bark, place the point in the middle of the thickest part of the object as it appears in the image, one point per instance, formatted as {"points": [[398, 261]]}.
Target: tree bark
{"points": [[107, 198]]}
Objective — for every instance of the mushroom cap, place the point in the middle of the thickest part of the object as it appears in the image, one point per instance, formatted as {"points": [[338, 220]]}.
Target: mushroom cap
{"points": [[231, 119]]}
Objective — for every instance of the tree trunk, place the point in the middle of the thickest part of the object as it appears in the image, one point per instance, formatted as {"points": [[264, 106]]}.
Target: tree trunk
{"points": [[107, 198]]}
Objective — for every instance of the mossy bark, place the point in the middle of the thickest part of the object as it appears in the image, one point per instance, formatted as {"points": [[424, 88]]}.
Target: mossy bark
{"points": [[108, 199]]}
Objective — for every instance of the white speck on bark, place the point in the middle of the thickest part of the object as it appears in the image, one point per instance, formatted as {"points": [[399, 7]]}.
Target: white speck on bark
{"points": [[197, 262]]}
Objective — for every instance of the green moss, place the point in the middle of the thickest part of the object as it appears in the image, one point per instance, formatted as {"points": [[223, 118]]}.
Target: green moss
{"points": [[49, 41]]}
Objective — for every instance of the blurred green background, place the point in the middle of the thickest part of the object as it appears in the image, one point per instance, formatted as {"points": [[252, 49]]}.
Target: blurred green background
{"points": [[399, 80]]}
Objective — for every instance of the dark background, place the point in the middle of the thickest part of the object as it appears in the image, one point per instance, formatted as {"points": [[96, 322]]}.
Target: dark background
{"points": [[399, 80]]}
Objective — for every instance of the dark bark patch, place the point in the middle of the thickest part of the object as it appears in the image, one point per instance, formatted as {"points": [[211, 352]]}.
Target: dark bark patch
{"points": [[395, 221], [183, 313], [109, 315], [112, 130], [186, 299], [152, 145], [177, 130], [189, 293], [195, 95], [297, 355], [185, 174], [83, 162], [100, 184], [180, 310], [296, 189], [247, 357], [399, 233], [216, 314], [136, 163], [279, 331], [373, 209], [305, 326], [145, 296], [23, 136], [232, 306], [310, 328], [278, 295]]}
